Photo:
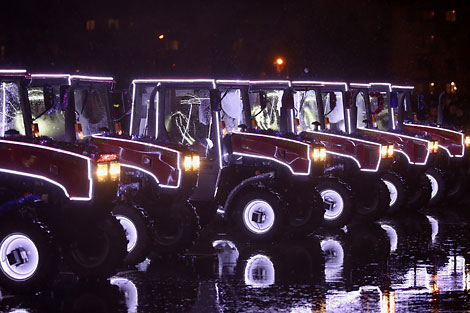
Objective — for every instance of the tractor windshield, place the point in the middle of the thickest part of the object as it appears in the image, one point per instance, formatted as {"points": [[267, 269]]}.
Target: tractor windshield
{"points": [[333, 110], [11, 115], [379, 109], [188, 118], [46, 111], [90, 110], [266, 109], [306, 109]]}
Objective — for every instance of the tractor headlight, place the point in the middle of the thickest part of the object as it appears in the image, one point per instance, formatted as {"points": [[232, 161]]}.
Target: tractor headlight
{"points": [[433, 146], [467, 141], [191, 162], [387, 151], [390, 151], [114, 170], [319, 154], [102, 171]]}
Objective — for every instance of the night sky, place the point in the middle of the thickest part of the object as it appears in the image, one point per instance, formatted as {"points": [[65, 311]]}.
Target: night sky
{"points": [[335, 40]]}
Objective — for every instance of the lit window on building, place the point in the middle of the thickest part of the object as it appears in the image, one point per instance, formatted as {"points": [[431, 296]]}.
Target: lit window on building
{"points": [[2, 51], [90, 25], [432, 86], [451, 87], [429, 14], [451, 16], [113, 23], [173, 45]]}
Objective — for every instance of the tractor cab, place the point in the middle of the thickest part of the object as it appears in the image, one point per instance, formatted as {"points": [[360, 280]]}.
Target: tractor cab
{"points": [[321, 112]]}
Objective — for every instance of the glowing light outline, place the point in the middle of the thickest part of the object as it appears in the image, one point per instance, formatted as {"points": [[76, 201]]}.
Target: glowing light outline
{"points": [[359, 85], [218, 139], [349, 120], [90, 177], [232, 81], [389, 85], [399, 150], [92, 78], [178, 153], [391, 232], [4, 107], [403, 87], [267, 82], [350, 156], [393, 118], [315, 83], [276, 160], [448, 130], [5, 71]]}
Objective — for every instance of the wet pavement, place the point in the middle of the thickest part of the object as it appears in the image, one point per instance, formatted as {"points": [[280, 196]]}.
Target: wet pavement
{"points": [[418, 262]]}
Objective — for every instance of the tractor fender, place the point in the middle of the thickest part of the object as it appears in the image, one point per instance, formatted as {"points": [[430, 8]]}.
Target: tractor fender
{"points": [[265, 177], [17, 203]]}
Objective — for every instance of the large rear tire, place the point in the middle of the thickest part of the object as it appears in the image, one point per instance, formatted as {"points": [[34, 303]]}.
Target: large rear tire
{"points": [[373, 200], [176, 230], [98, 250], [421, 194], [397, 189], [137, 226], [338, 196], [28, 257], [438, 185], [257, 215]]}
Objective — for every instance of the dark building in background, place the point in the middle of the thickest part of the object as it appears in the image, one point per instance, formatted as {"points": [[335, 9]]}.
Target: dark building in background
{"points": [[421, 43]]}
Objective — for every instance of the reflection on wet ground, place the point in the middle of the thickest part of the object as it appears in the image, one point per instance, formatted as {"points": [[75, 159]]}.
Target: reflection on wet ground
{"points": [[418, 262]]}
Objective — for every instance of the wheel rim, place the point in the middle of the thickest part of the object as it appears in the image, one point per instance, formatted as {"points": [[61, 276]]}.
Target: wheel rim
{"points": [[392, 189], [258, 216], [259, 272], [19, 243], [131, 231], [434, 185], [335, 203]]}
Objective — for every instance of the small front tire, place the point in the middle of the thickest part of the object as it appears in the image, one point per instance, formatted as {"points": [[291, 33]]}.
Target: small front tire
{"points": [[339, 202]]}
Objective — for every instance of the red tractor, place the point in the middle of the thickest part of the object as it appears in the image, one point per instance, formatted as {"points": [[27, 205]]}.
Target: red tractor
{"points": [[262, 107], [450, 169], [320, 113], [375, 117], [56, 197], [156, 178], [261, 183]]}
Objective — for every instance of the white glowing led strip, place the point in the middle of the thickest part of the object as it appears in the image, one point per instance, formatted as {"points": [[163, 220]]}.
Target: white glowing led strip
{"points": [[217, 122], [93, 78], [40, 75], [350, 156], [267, 82], [382, 84], [403, 87], [276, 160], [12, 71], [392, 111], [314, 83], [359, 85], [178, 153], [348, 111], [4, 101], [232, 81], [404, 136], [447, 130], [90, 178], [154, 80]]}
